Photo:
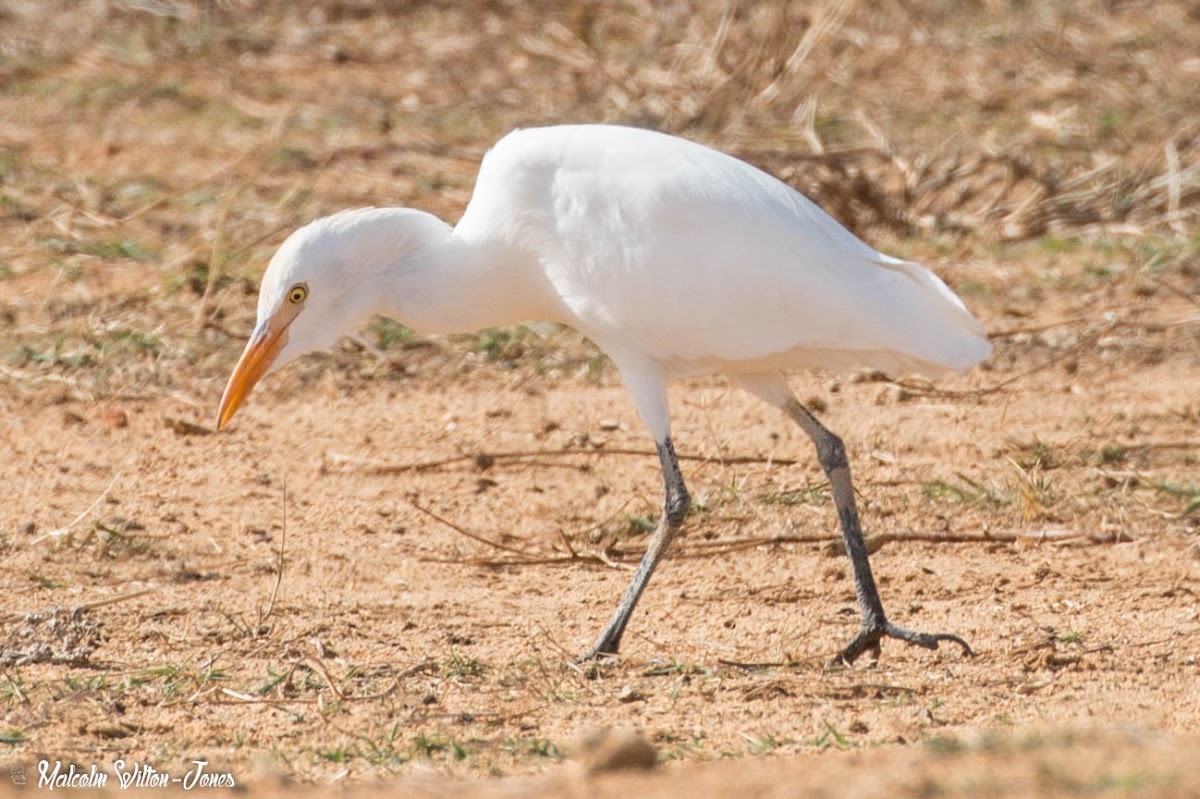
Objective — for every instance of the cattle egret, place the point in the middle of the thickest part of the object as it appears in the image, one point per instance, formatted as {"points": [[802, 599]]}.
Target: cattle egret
{"points": [[675, 259]]}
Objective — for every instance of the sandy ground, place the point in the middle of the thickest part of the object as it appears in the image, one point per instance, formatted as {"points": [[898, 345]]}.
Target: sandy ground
{"points": [[377, 578], [394, 635]]}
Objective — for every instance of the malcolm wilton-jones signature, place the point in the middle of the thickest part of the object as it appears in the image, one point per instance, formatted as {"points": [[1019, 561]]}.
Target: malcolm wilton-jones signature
{"points": [[128, 774]]}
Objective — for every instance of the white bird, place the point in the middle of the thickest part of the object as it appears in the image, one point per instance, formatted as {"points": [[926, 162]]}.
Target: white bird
{"points": [[674, 258]]}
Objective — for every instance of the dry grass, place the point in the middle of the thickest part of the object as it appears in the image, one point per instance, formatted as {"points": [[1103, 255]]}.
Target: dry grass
{"points": [[151, 154], [1044, 158]]}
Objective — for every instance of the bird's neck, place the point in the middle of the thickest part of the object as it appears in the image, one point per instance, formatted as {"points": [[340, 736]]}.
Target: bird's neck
{"points": [[464, 287]]}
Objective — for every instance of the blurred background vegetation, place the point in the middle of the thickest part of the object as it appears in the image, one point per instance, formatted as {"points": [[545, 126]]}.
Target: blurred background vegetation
{"points": [[153, 153]]}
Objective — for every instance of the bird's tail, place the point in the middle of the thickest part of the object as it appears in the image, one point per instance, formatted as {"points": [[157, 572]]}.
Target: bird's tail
{"points": [[943, 336]]}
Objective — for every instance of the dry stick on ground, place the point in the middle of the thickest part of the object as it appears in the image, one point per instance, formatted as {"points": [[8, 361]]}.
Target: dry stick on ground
{"points": [[484, 459], [473, 536], [526, 557], [1038, 328], [279, 566], [701, 549], [95, 603], [707, 549], [112, 600], [928, 390], [317, 666], [59, 531]]}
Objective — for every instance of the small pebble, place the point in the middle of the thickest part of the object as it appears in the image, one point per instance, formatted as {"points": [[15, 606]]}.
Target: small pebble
{"points": [[630, 694], [115, 418]]}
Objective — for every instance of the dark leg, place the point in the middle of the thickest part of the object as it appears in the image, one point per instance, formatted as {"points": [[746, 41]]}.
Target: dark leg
{"points": [[675, 506], [875, 626]]}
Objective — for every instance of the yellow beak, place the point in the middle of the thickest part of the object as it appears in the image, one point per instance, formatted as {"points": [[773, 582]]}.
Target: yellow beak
{"points": [[262, 348]]}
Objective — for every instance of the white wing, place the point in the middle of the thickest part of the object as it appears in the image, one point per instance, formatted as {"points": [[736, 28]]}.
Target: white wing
{"points": [[707, 263]]}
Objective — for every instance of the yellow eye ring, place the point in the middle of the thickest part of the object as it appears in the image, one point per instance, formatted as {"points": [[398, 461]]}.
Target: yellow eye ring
{"points": [[298, 294]]}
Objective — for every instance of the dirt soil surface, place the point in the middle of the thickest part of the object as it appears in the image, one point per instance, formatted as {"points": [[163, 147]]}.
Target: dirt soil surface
{"points": [[378, 577]]}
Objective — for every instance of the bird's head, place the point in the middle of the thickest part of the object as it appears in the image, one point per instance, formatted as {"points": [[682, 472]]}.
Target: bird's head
{"points": [[325, 281]]}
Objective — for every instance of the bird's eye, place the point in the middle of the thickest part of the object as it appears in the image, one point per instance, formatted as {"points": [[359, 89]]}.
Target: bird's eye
{"points": [[298, 294]]}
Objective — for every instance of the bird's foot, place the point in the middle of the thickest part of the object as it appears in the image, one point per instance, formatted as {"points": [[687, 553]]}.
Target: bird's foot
{"points": [[603, 652], [595, 664], [870, 635], [595, 658]]}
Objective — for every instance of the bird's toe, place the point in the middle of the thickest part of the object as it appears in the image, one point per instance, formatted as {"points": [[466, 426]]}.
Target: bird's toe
{"points": [[870, 636]]}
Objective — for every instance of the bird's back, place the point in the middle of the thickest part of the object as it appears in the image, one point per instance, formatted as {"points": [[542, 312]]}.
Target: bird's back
{"points": [[704, 263]]}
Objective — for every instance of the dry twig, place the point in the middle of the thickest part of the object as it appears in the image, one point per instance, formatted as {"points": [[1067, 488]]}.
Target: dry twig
{"points": [[484, 460], [279, 564]]}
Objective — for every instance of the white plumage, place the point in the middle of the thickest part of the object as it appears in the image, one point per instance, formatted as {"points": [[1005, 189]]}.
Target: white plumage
{"points": [[704, 262], [674, 258]]}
